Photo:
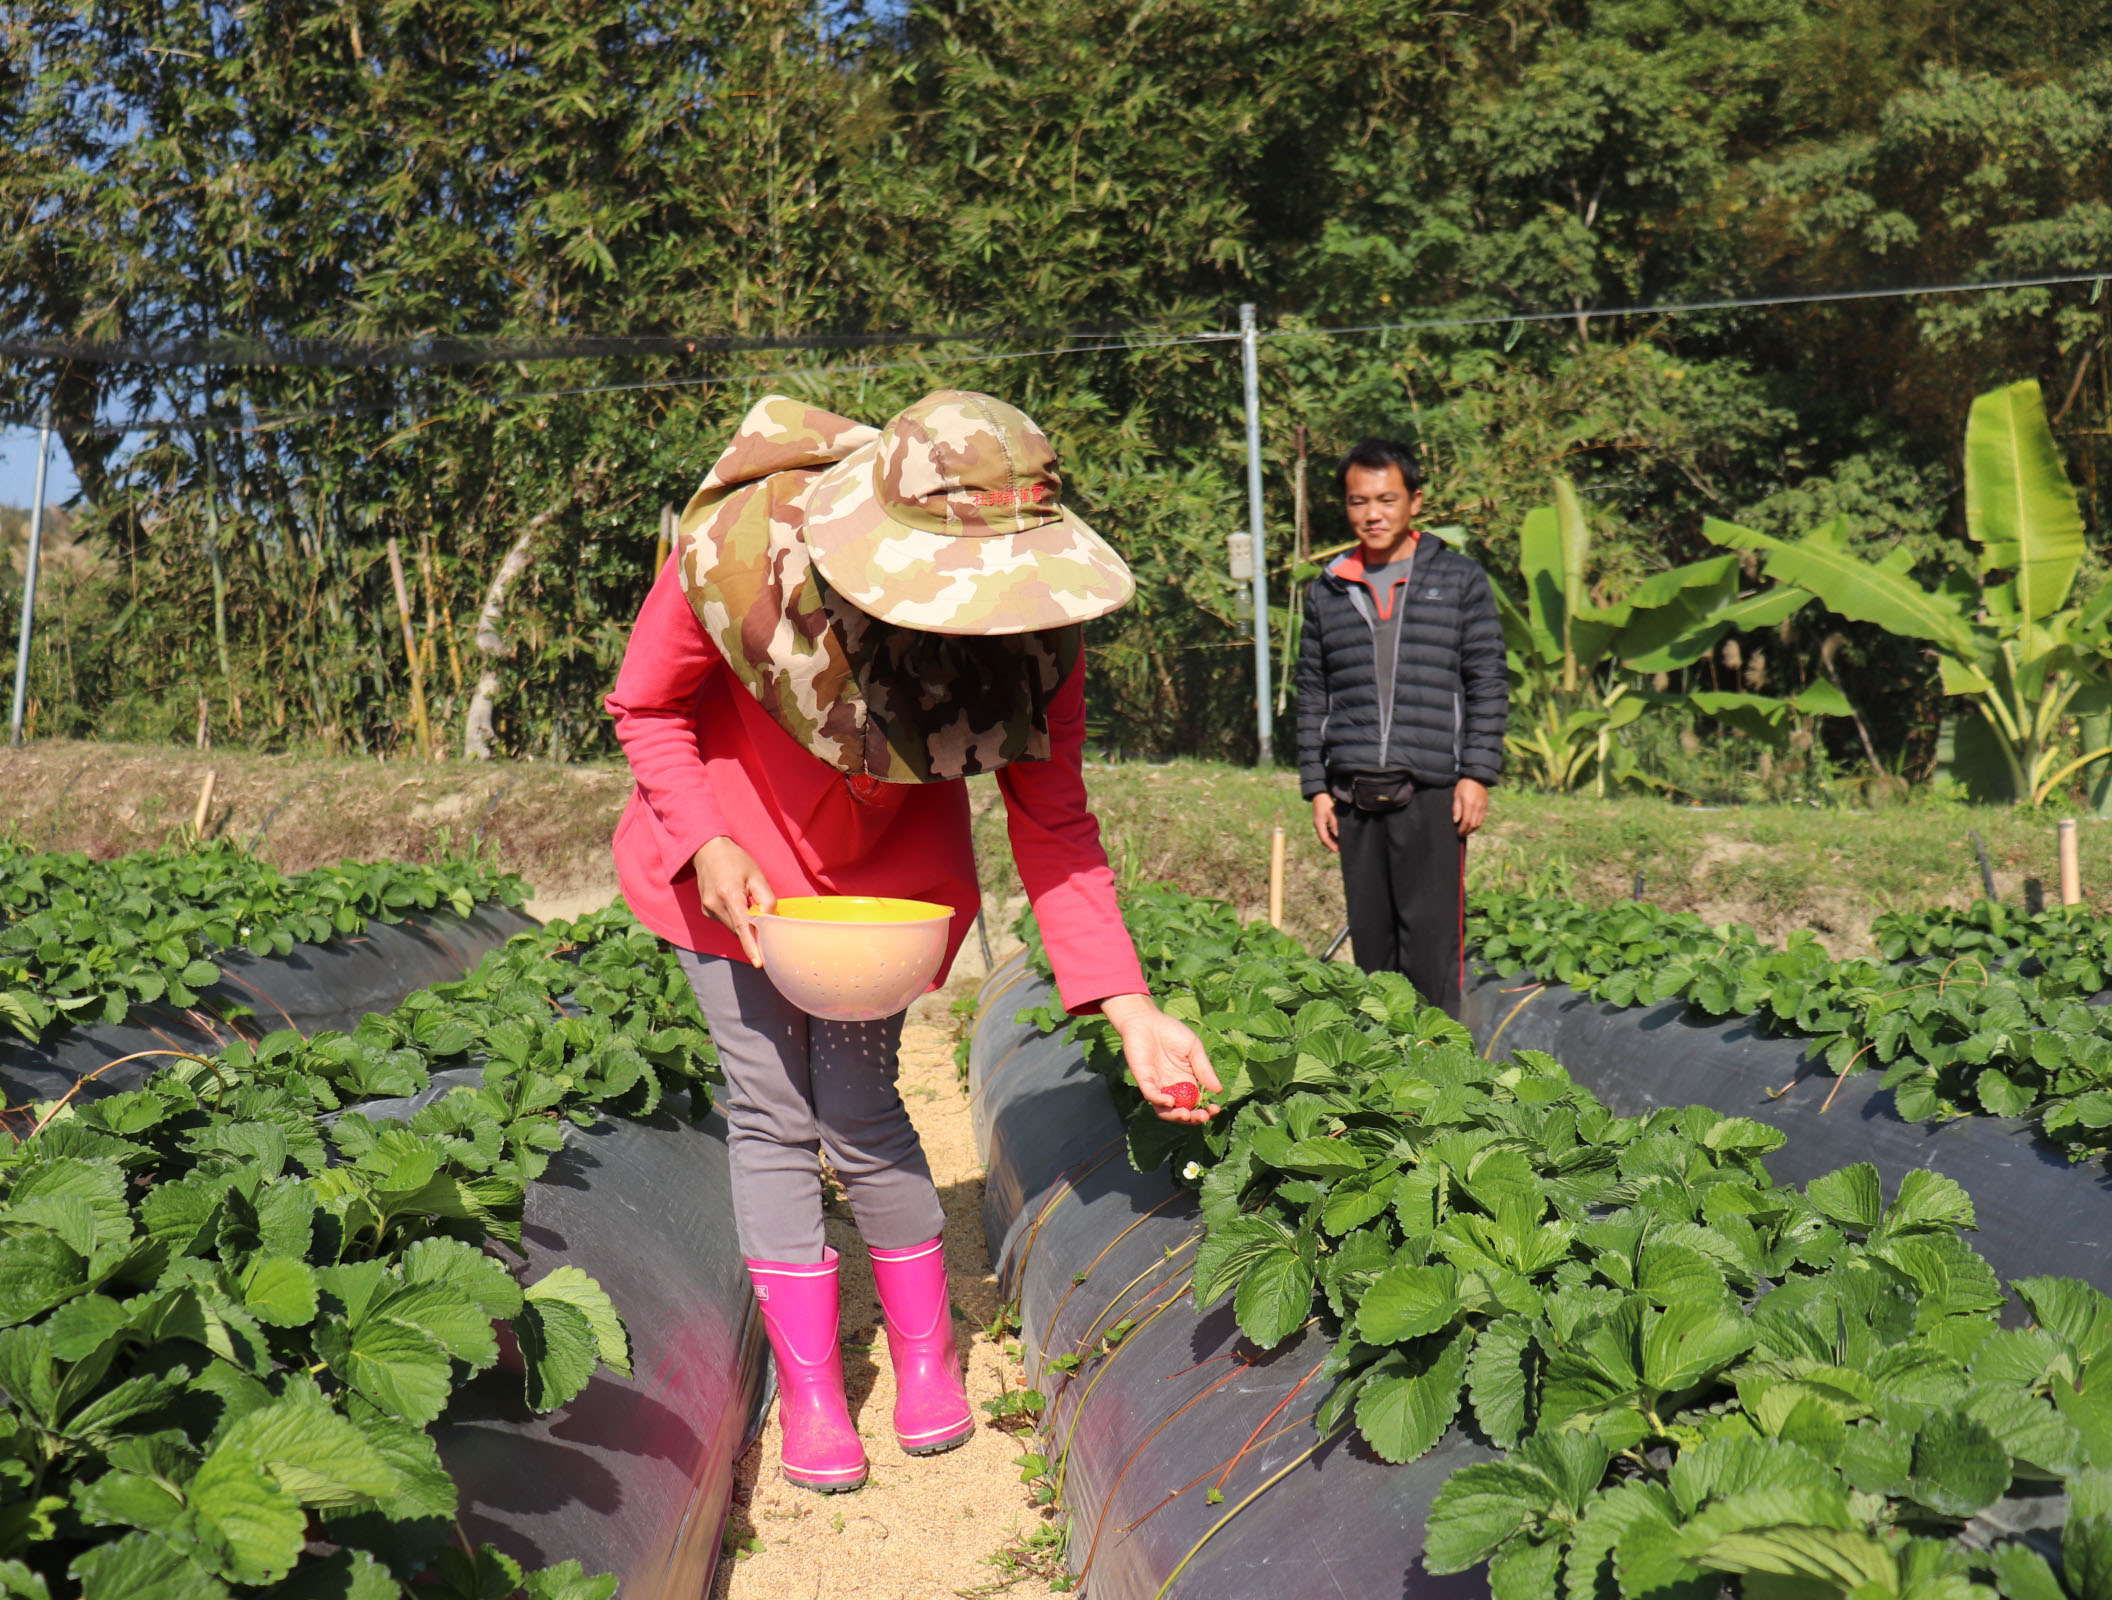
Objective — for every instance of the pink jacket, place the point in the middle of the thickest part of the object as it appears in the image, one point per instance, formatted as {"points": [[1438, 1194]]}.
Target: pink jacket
{"points": [[710, 761]]}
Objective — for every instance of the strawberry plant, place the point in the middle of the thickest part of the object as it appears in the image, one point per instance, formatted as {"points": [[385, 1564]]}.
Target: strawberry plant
{"points": [[232, 1303], [84, 940], [2071, 942], [1987, 1016], [1699, 1378]]}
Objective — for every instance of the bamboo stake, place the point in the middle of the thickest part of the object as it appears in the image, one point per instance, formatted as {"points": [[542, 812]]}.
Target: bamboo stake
{"points": [[419, 725], [429, 645], [668, 518], [1276, 877], [205, 804], [2071, 864], [1301, 517]]}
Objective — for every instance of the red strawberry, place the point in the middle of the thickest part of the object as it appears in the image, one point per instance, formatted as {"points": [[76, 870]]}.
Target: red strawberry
{"points": [[1184, 1096]]}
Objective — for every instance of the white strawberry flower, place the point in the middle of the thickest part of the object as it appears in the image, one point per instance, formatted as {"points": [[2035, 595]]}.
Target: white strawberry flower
{"points": [[1192, 1171]]}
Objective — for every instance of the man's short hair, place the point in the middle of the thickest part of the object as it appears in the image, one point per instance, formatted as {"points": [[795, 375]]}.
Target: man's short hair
{"points": [[1376, 455]]}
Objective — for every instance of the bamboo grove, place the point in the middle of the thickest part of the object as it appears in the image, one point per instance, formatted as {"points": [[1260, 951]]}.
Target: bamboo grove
{"points": [[1052, 189]]}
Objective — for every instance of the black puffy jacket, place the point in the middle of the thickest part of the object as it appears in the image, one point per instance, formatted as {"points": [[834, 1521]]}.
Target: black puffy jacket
{"points": [[1444, 717]]}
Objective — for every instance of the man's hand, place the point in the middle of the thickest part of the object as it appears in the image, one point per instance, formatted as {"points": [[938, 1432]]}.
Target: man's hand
{"points": [[728, 880], [1326, 823], [1161, 1052], [1470, 806]]}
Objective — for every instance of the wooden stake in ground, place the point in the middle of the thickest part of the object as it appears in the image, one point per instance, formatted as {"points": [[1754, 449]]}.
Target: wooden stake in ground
{"points": [[2071, 864], [1276, 876], [419, 725], [669, 516], [205, 805], [205, 733]]}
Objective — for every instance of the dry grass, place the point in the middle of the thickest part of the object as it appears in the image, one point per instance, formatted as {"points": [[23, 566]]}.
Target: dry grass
{"points": [[1201, 826], [551, 823]]}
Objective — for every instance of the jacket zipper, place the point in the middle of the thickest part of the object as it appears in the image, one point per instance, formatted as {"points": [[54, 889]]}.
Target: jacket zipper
{"points": [[1364, 602]]}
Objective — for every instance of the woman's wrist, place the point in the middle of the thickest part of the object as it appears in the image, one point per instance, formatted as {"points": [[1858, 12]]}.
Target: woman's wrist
{"points": [[1123, 1009]]}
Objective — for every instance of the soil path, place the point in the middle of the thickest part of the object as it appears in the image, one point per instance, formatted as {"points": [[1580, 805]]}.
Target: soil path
{"points": [[921, 1528]]}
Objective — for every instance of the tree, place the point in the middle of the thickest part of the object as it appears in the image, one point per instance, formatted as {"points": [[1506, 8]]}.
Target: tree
{"points": [[2005, 637], [1562, 651]]}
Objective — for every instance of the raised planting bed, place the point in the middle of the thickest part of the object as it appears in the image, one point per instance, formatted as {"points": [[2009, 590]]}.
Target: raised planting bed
{"points": [[85, 941], [191, 950], [1967, 1010], [1173, 1419], [2038, 1211], [631, 1477], [315, 1317], [1642, 1366], [1965, 1015]]}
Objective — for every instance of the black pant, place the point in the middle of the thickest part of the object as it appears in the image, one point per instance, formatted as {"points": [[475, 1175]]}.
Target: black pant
{"points": [[1404, 876]]}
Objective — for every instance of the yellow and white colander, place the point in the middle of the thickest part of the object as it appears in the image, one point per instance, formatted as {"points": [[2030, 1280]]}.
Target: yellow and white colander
{"points": [[852, 958]]}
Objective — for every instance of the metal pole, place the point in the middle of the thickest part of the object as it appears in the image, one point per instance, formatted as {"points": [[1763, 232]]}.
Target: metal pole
{"points": [[29, 580], [1264, 723]]}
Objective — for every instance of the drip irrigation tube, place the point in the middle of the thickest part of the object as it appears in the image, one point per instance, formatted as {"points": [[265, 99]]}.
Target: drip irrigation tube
{"points": [[1140, 1434], [634, 1478], [313, 987], [2038, 1212]]}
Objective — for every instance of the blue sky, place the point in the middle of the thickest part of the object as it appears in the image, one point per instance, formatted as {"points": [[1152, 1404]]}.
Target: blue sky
{"points": [[18, 469]]}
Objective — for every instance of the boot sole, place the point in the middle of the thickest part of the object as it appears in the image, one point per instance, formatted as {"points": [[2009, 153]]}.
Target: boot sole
{"points": [[938, 1447], [827, 1485]]}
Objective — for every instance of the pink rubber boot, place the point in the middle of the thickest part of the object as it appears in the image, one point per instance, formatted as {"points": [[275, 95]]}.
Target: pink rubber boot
{"points": [[822, 1448], [931, 1402]]}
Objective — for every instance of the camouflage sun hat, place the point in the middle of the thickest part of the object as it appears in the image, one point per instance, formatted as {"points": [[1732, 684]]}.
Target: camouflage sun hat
{"points": [[952, 521]]}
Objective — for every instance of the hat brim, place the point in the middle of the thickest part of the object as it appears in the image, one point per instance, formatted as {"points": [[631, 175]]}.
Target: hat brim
{"points": [[1043, 577]]}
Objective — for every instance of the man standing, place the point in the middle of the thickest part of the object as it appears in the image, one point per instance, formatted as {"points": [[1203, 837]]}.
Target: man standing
{"points": [[1401, 706]]}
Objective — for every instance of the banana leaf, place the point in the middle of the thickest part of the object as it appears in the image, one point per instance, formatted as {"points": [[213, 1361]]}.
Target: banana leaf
{"points": [[1859, 590], [1642, 649], [2019, 505]]}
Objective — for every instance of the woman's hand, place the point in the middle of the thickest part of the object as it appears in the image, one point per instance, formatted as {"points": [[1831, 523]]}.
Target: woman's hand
{"points": [[1161, 1052], [728, 881]]}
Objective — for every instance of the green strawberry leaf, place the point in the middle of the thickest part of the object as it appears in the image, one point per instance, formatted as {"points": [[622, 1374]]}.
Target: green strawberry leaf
{"points": [[568, 1581], [1404, 1411], [1849, 1196], [572, 1287], [1503, 1378], [558, 1347], [1958, 1465], [143, 1566], [1478, 1509], [253, 1528], [1407, 1302], [1275, 1297], [398, 1367], [280, 1292]]}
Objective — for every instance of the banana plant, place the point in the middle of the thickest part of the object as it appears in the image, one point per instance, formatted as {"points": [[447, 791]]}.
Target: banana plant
{"points": [[1562, 651], [2030, 665]]}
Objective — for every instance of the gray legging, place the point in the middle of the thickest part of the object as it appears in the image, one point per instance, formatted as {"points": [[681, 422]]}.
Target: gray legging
{"points": [[796, 1085]]}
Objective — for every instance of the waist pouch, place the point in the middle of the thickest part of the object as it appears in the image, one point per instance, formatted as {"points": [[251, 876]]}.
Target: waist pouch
{"points": [[1380, 791]]}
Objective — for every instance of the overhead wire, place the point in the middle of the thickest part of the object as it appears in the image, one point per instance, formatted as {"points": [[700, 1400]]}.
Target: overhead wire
{"points": [[437, 350], [1082, 343], [266, 421], [1688, 307]]}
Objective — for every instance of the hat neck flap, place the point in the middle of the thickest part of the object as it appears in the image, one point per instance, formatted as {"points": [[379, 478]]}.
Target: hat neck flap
{"points": [[868, 698]]}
